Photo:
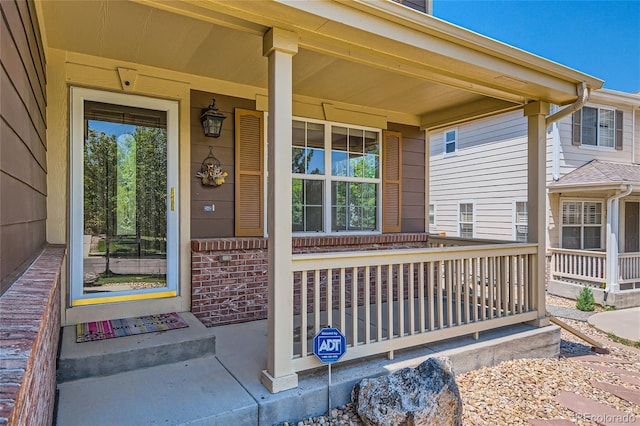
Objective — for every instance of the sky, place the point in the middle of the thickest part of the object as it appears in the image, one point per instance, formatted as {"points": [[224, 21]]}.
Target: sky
{"points": [[600, 38]]}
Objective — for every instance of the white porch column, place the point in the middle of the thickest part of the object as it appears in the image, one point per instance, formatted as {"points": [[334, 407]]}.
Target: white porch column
{"points": [[280, 46], [536, 201], [613, 229]]}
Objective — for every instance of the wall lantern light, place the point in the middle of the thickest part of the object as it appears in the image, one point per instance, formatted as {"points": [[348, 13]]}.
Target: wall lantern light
{"points": [[212, 120]]}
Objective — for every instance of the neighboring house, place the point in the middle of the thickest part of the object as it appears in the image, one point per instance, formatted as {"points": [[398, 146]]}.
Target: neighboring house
{"points": [[103, 155], [478, 188]]}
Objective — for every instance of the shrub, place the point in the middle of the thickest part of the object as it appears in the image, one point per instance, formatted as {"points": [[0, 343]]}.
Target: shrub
{"points": [[585, 300]]}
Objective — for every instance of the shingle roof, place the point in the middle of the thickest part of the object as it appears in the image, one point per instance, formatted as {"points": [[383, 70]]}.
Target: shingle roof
{"points": [[599, 172]]}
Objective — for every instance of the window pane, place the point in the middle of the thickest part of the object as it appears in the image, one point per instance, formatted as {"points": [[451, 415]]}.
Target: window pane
{"points": [[297, 160], [354, 218], [589, 125], [339, 163], [298, 133], [356, 140], [369, 218], [371, 144], [313, 216], [297, 193], [606, 136], [339, 219], [592, 237], [356, 165], [571, 213], [315, 135], [313, 192], [571, 237], [466, 212], [466, 230], [339, 138], [315, 161], [592, 213], [307, 210], [371, 166], [432, 214]]}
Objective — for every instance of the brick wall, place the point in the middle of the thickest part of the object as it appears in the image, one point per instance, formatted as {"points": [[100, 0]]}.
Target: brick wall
{"points": [[29, 336], [229, 275]]}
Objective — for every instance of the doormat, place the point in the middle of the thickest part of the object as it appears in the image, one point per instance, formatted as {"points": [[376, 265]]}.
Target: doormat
{"points": [[101, 330]]}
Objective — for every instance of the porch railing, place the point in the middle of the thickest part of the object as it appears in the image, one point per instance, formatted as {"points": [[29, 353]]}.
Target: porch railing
{"points": [[388, 300], [629, 270], [590, 268], [579, 266]]}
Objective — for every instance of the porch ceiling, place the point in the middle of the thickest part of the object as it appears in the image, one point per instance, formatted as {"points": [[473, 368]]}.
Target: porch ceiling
{"points": [[418, 67]]}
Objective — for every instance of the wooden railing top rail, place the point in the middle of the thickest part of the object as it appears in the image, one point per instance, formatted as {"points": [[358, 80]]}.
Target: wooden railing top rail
{"points": [[373, 258], [579, 252]]}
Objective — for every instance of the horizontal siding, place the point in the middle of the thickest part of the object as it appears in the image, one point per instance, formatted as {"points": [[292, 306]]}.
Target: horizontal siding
{"points": [[23, 165], [489, 169], [413, 177], [220, 222]]}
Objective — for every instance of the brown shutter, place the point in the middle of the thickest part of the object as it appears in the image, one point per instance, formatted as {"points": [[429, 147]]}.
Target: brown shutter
{"points": [[576, 135], [619, 118], [391, 181], [249, 176]]}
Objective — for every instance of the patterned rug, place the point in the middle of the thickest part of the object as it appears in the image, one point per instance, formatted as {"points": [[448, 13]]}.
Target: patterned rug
{"points": [[100, 330]]}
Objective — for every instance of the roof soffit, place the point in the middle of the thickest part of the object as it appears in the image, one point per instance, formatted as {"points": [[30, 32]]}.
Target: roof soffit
{"points": [[442, 52]]}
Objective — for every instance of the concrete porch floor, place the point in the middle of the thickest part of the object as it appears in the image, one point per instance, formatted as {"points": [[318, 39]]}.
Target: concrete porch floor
{"points": [[224, 388]]}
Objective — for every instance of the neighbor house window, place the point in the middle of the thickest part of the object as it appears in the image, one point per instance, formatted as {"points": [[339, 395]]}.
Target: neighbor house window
{"points": [[450, 141], [465, 220], [582, 225], [432, 214], [600, 127], [336, 177], [520, 221]]}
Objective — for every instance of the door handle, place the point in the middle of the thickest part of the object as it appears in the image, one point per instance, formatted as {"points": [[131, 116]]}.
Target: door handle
{"points": [[173, 198]]}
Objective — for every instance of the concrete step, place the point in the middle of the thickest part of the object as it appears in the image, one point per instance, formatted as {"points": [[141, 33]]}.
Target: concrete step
{"points": [[112, 356], [197, 391]]}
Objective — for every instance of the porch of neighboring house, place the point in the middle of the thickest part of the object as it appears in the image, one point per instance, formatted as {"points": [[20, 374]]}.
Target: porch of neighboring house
{"points": [[596, 240]]}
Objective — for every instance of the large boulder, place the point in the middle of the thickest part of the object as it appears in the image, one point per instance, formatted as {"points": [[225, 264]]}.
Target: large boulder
{"points": [[425, 395]]}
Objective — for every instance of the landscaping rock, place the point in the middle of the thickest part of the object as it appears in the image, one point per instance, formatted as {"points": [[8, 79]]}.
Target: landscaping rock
{"points": [[425, 395]]}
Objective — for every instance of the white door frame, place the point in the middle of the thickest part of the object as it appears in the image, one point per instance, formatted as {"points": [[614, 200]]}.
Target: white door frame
{"points": [[141, 303]]}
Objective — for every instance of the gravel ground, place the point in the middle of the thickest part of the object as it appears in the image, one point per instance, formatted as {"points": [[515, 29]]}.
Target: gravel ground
{"points": [[515, 391]]}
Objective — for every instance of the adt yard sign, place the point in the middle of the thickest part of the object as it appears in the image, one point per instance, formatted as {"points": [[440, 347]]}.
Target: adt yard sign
{"points": [[329, 345]]}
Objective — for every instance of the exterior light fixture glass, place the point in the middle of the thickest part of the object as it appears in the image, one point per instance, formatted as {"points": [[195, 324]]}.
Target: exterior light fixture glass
{"points": [[212, 120]]}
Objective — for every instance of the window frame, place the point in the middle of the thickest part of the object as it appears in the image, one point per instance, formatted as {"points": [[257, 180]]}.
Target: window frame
{"points": [[582, 224], [473, 219], [598, 136], [515, 219], [328, 178], [454, 142], [432, 214]]}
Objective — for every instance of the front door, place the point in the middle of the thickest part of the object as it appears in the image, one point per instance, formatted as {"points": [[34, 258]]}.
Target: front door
{"points": [[632, 227], [124, 221]]}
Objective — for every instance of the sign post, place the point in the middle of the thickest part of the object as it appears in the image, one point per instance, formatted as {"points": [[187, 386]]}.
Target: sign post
{"points": [[329, 345]]}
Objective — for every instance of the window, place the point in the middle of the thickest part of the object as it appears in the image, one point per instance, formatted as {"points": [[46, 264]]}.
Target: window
{"points": [[600, 127], [520, 221], [582, 225], [450, 141], [465, 220], [336, 178], [432, 214]]}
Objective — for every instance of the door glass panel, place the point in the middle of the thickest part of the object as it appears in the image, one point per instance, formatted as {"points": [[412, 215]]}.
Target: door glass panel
{"points": [[124, 199]]}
